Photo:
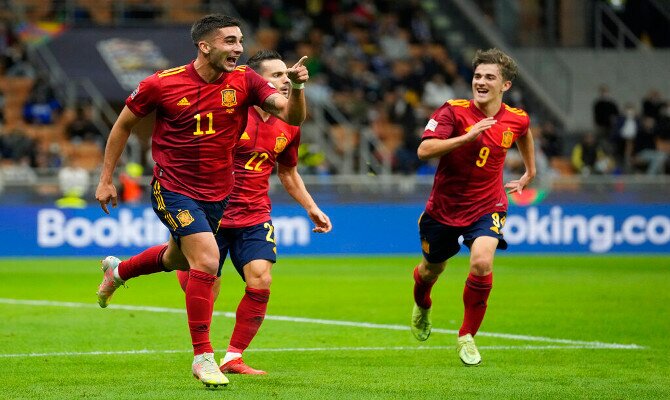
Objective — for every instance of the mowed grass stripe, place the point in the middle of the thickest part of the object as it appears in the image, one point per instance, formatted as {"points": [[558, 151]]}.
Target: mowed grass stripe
{"points": [[368, 325]]}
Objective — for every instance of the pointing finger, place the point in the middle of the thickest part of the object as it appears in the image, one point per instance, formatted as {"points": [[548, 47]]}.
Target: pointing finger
{"points": [[300, 62]]}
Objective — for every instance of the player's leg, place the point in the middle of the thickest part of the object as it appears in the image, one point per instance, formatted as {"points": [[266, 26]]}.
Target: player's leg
{"points": [[249, 316], [483, 238], [117, 272], [438, 243], [255, 252], [224, 239], [202, 254]]}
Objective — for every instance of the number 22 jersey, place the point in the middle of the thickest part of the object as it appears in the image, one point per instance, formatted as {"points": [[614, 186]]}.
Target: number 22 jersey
{"points": [[261, 146], [469, 180]]}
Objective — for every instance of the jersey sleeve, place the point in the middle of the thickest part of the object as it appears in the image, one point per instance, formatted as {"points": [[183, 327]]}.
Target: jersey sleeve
{"points": [[289, 157], [441, 124], [145, 98], [259, 88]]}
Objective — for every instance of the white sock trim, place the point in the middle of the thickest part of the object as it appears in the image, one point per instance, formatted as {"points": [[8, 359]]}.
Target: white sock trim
{"points": [[117, 277], [230, 356]]}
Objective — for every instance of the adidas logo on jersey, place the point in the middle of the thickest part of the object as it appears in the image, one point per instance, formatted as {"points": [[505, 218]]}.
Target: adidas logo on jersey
{"points": [[183, 102], [245, 136]]}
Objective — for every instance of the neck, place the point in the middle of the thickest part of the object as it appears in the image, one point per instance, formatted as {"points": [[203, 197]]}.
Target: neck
{"points": [[490, 108], [205, 70]]}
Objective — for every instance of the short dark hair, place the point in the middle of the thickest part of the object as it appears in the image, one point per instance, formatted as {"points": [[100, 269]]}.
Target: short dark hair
{"points": [[263, 55], [507, 65], [208, 24]]}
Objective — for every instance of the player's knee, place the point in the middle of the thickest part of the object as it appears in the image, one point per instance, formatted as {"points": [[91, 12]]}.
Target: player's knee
{"points": [[260, 281], [206, 263], [431, 271], [481, 265]]}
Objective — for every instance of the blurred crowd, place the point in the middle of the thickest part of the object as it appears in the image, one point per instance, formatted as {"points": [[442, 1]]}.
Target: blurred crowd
{"points": [[629, 138]]}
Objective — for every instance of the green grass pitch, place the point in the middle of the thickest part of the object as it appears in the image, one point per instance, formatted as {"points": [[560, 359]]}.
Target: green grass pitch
{"points": [[557, 327]]}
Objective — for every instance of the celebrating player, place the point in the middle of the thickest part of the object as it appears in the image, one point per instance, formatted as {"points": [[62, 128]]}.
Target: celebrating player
{"points": [[200, 110], [246, 228], [471, 138]]}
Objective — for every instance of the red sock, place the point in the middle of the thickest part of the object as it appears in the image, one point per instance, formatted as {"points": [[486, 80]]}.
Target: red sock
{"points": [[475, 295], [182, 277], [199, 306], [422, 290], [249, 317], [147, 262]]}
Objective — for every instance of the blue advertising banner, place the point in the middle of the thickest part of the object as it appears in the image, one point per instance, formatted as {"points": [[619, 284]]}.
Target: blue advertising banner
{"points": [[357, 229]]}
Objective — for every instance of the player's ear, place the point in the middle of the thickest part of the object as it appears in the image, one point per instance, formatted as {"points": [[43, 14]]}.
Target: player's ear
{"points": [[204, 47], [506, 86]]}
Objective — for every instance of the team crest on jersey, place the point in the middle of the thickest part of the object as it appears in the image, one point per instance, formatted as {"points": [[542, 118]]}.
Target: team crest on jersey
{"points": [[228, 98], [280, 143], [425, 246], [507, 138], [185, 218]]}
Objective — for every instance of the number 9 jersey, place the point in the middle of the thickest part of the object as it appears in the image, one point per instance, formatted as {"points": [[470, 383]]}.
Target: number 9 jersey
{"points": [[469, 180]]}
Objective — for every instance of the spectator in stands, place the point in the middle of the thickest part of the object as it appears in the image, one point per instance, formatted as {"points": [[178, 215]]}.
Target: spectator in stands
{"points": [[42, 107], [73, 182], [17, 147], [624, 135], [82, 127], [605, 112], [551, 140], [589, 157], [436, 91], [652, 103], [647, 157], [15, 60]]}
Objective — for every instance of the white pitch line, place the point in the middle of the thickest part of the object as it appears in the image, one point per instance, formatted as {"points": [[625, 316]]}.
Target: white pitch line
{"points": [[292, 350], [369, 325]]}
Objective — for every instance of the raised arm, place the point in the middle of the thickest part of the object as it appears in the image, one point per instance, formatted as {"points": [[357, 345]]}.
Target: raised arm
{"points": [[292, 110], [433, 147], [526, 146], [292, 182], [118, 137]]}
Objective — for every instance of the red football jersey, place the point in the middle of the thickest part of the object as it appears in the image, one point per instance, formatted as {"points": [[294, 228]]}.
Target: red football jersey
{"points": [[469, 180], [261, 146], [197, 126]]}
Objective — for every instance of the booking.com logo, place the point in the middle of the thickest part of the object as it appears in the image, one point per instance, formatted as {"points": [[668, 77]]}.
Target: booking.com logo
{"points": [[599, 232], [55, 229]]}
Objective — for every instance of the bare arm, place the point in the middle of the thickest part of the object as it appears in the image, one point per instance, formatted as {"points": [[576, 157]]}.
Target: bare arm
{"points": [[116, 142], [432, 148], [292, 182], [526, 146], [292, 110]]}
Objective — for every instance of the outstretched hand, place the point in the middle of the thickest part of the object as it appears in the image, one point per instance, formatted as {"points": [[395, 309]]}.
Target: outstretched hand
{"points": [[517, 185], [105, 193], [298, 72]]}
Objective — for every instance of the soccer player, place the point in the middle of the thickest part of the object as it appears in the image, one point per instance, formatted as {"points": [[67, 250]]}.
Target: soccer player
{"points": [[201, 108], [246, 230], [471, 138]]}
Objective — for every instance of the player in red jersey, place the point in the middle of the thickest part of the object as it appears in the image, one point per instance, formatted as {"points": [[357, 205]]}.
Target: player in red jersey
{"points": [[201, 108], [246, 230], [471, 139]]}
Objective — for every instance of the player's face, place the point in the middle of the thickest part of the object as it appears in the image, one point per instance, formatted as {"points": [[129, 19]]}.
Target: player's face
{"points": [[224, 48], [488, 85], [274, 71]]}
